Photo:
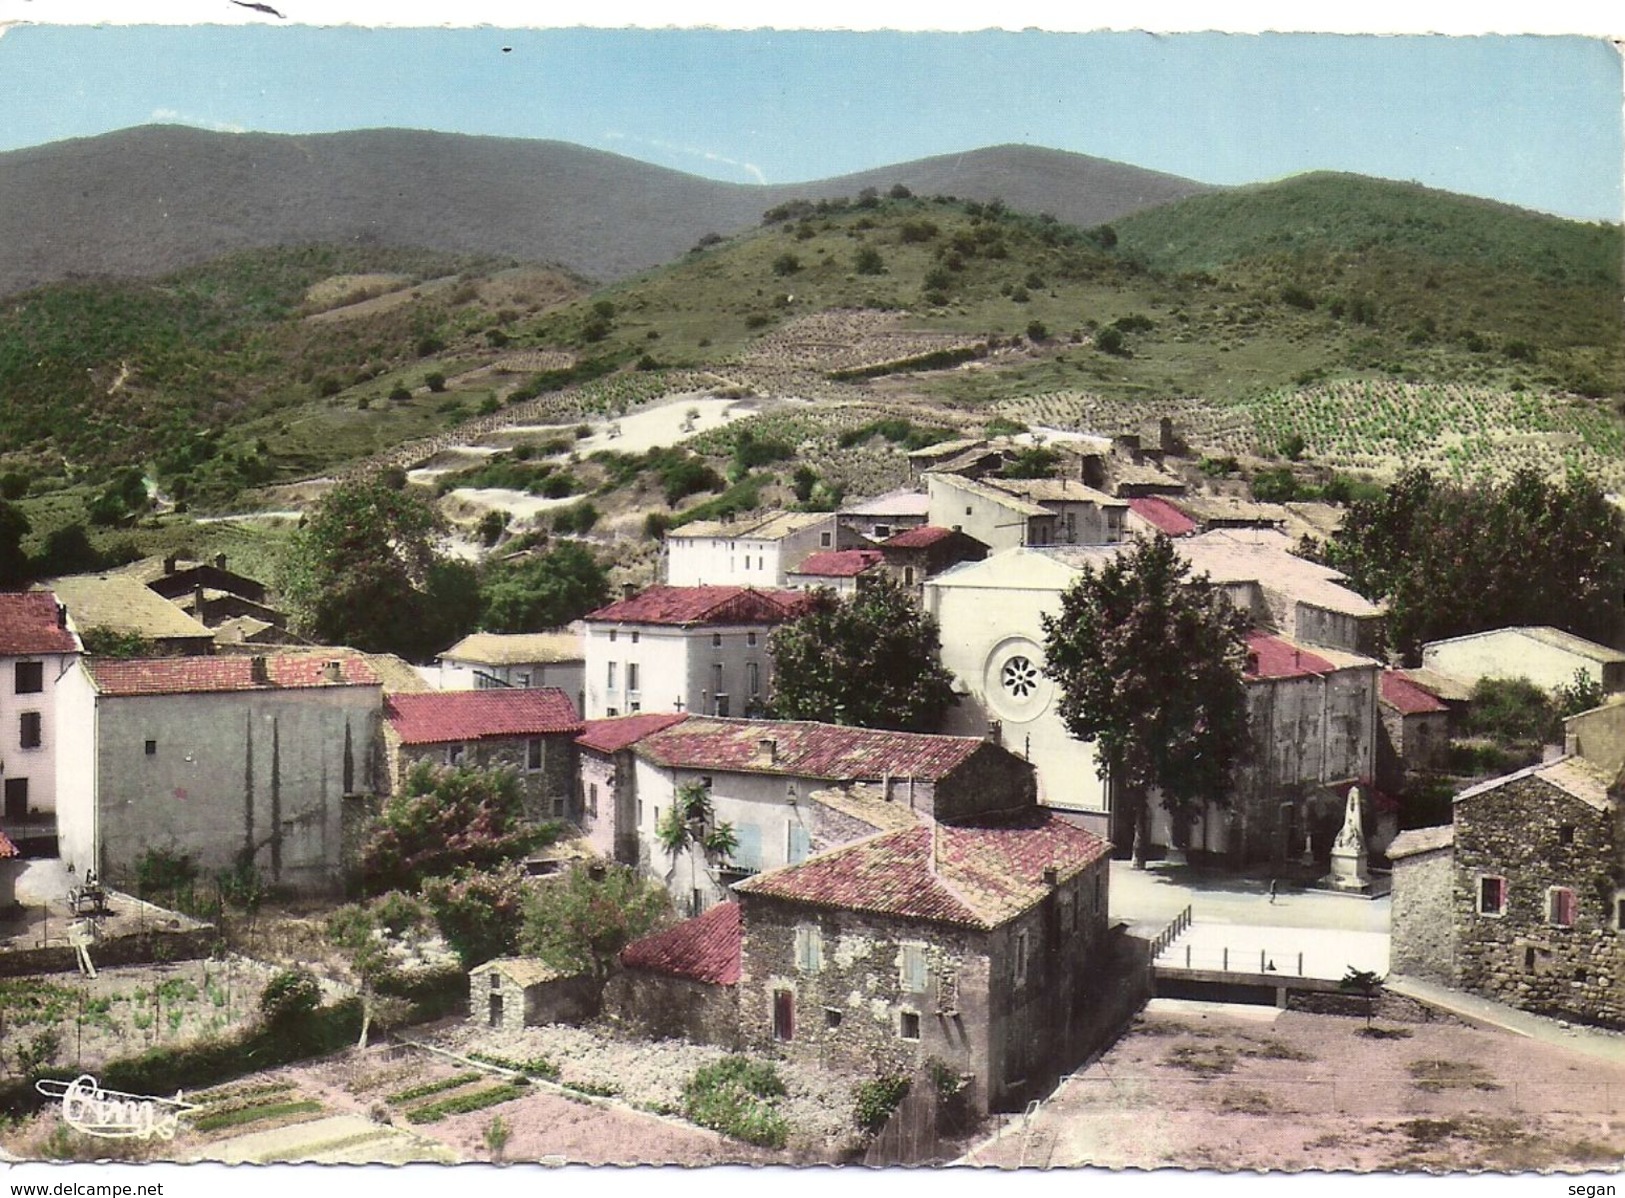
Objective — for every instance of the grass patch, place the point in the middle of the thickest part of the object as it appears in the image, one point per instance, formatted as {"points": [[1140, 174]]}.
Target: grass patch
{"points": [[1240, 1101], [252, 1090], [1204, 1060], [238, 1116], [1436, 1076], [413, 1093], [736, 1097], [478, 1100]]}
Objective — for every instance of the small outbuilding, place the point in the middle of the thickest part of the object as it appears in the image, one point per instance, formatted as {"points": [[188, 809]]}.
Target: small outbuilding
{"points": [[518, 992], [682, 981]]}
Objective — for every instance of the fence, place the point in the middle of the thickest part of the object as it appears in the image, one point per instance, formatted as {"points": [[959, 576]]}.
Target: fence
{"points": [[921, 1129], [1171, 933]]}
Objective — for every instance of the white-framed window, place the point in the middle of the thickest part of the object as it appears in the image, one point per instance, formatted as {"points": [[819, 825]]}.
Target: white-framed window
{"points": [[1561, 906], [455, 753], [1492, 895], [524, 680], [823, 540], [1021, 958], [809, 948], [913, 969], [30, 730], [533, 754]]}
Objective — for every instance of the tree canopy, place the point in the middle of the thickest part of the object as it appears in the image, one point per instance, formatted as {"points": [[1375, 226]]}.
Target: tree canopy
{"points": [[579, 922], [873, 660], [1452, 559], [364, 571], [1149, 663], [543, 591]]}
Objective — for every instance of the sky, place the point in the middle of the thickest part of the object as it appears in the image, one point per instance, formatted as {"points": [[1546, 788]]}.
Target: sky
{"points": [[1531, 120]]}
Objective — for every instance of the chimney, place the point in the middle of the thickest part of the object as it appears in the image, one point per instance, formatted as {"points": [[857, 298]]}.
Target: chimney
{"points": [[1165, 435], [258, 671], [995, 731], [628, 589], [219, 561], [61, 616], [767, 751], [1052, 877], [332, 671], [169, 564], [197, 604]]}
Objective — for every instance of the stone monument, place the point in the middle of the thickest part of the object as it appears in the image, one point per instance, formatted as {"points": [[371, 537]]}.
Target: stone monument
{"points": [[1348, 851]]}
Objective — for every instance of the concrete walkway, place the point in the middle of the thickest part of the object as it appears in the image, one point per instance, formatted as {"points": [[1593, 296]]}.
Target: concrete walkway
{"points": [[1148, 899], [1604, 1045]]}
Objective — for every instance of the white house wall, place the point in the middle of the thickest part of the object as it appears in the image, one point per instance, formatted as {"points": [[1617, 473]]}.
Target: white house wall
{"points": [[994, 524], [676, 668], [76, 769], [1508, 655], [38, 765]]}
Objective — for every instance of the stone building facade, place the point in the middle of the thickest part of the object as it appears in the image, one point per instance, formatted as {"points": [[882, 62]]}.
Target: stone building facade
{"points": [[1423, 931], [1415, 733], [682, 981], [1538, 893], [529, 732], [511, 993], [979, 946]]}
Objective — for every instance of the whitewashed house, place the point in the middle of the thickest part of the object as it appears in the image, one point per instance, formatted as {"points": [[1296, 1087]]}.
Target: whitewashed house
{"points": [[698, 649], [524, 661], [1548, 657], [754, 552], [37, 647], [1008, 513]]}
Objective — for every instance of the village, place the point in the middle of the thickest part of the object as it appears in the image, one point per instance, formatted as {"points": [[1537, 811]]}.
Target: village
{"points": [[590, 888]]}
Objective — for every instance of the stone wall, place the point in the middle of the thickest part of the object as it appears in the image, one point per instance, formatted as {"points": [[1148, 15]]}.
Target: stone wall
{"points": [[549, 791], [1407, 744], [1537, 836], [1423, 942], [990, 781], [562, 1000], [662, 1008]]}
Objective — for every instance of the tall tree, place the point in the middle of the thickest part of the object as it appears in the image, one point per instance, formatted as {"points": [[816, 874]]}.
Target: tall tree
{"points": [[1149, 663], [364, 571], [13, 528], [1451, 559], [544, 591], [578, 923], [873, 660]]}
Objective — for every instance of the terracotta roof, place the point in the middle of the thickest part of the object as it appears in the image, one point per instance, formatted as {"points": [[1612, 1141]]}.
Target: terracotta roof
{"points": [[834, 751], [29, 625], [1280, 658], [204, 675], [499, 649], [922, 537], [1572, 775], [613, 735], [774, 526], [521, 971], [7, 849], [1440, 686], [974, 876], [840, 563], [866, 806], [1421, 840], [436, 717], [703, 949], [1406, 697], [1163, 516], [124, 603], [687, 607]]}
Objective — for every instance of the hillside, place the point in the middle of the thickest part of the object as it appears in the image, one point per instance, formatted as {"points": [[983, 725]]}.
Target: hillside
{"points": [[150, 200]]}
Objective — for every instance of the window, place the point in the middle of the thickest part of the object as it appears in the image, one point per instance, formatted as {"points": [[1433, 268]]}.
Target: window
{"points": [[912, 968], [612, 636], [592, 799], [454, 754], [908, 576], [524, 681], [784, 1015], [1560, 907], [967, 510], [640, 812], [798, 844], [30, 677], [558, 808], [612, 712], [832, 1018], [1021, 958], [882, 531], [634, 707], [1019, 677], [809, 948], [753, 678], [634, 636], [750, 640], [908, 1026], [1492, 895], [716, 678], [1619, 910], [152, 748], [631, 677], [533, 754], [1565, 834], [759, 564], [716, 642], [609, 677], [823, 540], [29, 730]]}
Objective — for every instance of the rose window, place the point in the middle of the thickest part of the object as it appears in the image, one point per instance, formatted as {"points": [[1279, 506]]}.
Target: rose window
{"points": [[1019, 677]]}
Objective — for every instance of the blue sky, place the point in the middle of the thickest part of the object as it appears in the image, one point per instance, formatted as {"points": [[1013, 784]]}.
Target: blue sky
{"points": [[1534, 121]]}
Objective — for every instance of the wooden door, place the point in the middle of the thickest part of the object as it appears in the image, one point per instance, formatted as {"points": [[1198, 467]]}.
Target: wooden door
{"points": [[16, 798], [784, 1015]]}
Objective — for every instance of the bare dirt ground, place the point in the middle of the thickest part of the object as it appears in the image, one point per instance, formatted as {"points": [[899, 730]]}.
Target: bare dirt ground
{"points": [[1203, 1086]]}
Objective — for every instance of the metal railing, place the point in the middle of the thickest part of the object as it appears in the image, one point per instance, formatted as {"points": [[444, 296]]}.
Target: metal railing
{"points": [[1171, 933]]}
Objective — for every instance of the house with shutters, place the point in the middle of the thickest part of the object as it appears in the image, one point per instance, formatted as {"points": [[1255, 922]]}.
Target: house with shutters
{"points": [[529, 732], [760, 777], [37, 647], [982, 945], [228, 760], [1521, 898], [684, 648]]}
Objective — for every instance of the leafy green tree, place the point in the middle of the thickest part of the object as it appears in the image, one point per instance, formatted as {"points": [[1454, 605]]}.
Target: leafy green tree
{"points": [[13, 528], [543, 591], [1366, 984], [1451, 560], [873, 660], [363, 571], [479, 912], [579, 922], [443, 821], [290, 996], [1149, 662], [360, 935], [1582, 694], [1031, 461], [102, 641]]}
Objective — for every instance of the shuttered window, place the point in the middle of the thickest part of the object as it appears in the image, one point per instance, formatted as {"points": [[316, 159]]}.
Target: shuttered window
{"points": [[1492, 895], [809, 948], [912, 968], [1560, 907]]}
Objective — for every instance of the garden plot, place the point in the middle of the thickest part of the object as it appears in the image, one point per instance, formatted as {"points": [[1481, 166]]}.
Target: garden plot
{"points": [[69, 1020]]}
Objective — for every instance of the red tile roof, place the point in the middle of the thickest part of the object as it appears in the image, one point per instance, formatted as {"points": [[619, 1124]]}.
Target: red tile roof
{"points": [[29, 625], [1163, 516], [975, 876], [840, 563], [7, 849], [436, 717], [613, 735], [1282, 659], [918, 538], [828, 751], [1407, 697], [199, 675], [691, 606], [702, 949]]}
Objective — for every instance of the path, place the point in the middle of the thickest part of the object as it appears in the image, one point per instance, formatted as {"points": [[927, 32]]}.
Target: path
{"points": [[1596, 1042]]}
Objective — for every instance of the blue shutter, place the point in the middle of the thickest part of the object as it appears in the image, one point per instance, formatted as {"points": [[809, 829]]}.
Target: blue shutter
{"points": [[749, 853], [800, 844]]}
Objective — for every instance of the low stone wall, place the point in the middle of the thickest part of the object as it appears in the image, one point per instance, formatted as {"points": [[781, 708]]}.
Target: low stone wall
{"points": [[143, 948]]}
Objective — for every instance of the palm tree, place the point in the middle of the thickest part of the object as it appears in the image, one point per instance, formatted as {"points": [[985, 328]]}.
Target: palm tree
{"points": [[691, 824]]}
